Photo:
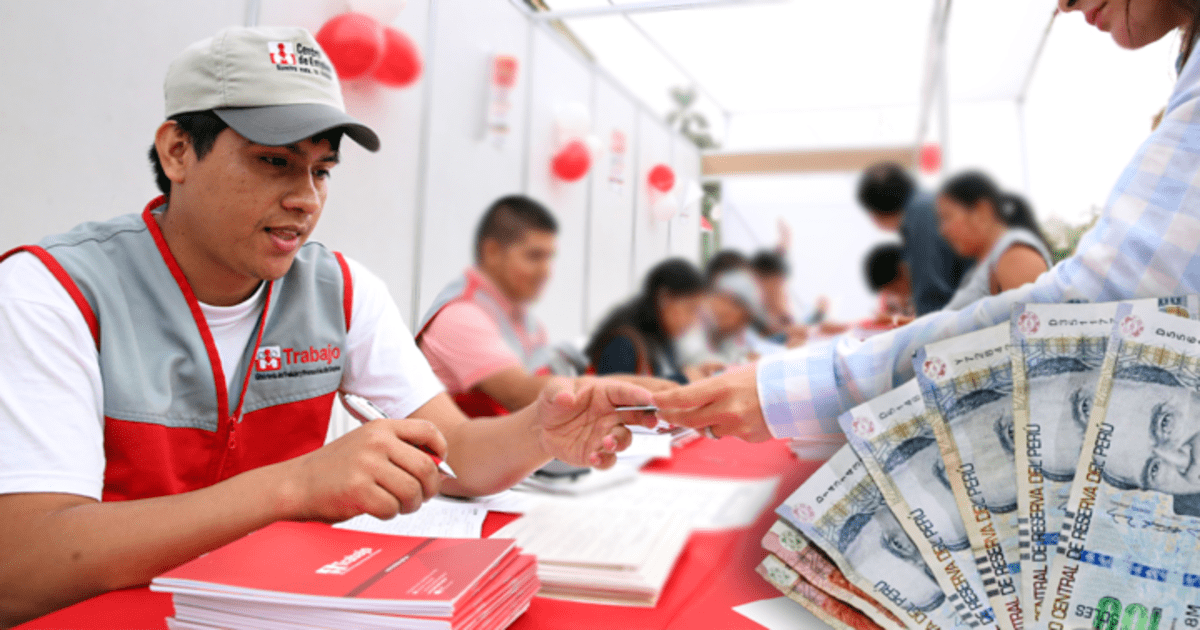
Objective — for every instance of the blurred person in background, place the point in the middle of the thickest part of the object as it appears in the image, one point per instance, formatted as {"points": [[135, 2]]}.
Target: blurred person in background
{"points": [[891, 197], [993, 228], [639, 337], [479, 336], [887, 274], [780, 326]]}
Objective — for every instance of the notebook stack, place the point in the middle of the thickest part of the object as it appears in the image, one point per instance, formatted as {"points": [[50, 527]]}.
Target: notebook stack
{"points": [[308, 575]]}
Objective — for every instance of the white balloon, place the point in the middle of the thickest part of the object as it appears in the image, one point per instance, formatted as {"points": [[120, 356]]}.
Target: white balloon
{"points": [[384, 11], [572, 121], [593, 144], [664, 208], [693, 194]]}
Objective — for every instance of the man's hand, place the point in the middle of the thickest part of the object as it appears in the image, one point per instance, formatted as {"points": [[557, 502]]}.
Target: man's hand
{"points": [[377, 469], [578, 423], [728, 404]]}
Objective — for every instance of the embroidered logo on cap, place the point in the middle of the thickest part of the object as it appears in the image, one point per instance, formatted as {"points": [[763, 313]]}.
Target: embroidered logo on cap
{"points": [[282, 53]]}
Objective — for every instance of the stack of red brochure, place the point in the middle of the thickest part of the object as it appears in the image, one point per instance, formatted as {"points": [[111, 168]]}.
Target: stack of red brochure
{"points": [[309, 575]]}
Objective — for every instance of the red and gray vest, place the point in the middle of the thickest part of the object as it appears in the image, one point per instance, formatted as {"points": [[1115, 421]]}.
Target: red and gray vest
{"points": [[526, 339], [170, 423]]}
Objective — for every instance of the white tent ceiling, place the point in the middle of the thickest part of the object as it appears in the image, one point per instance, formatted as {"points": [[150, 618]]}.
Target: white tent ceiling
{"points": [[800, 73]]}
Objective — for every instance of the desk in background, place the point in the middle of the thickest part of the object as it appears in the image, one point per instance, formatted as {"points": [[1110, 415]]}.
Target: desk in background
{"points": [[714, 573]]}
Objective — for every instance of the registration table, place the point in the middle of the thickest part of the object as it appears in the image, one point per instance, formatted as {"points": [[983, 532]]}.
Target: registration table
{"points": [[714, 573]]}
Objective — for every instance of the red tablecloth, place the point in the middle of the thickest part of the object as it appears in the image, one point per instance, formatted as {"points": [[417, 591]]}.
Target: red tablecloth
{"points": [[715, 572]]}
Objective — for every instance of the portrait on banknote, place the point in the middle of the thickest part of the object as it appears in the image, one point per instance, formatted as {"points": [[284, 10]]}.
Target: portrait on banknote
{"points": [[1127, 555]]}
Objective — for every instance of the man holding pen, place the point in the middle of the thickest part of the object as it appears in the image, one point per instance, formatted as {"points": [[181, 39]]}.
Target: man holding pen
{"points": [[167, 377]]}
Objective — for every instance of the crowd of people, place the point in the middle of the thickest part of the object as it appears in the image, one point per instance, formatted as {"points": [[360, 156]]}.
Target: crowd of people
{"points": [[167, 376]]}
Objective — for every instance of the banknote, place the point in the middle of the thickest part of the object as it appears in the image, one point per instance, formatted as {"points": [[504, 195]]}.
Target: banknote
{"points": [[1057, 351], [825, 607], [1129, 549], [894, 439], [840, 510], [967, 385], [788, 544]]}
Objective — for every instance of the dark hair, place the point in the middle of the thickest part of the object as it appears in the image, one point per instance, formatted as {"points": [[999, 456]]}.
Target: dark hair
{"points": [[202, 129], [883, 265], [1189, 33], [509, 218], [725, 260], [971, 187], [885, 187], [675, 277], [769, 263]]}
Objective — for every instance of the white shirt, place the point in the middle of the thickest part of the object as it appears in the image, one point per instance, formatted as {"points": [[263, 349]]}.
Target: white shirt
{"points": [[52, 397]]}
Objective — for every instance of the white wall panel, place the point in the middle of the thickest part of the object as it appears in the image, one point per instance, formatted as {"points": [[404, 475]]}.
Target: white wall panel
{"points": [[464, 173], [370, 214], [81, 99], [610, 235], [558, 77], [685, 227], [650, 235]]}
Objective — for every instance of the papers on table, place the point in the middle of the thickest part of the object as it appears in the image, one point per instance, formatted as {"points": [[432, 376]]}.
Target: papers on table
{"points": [[438, 517], [596, 554], [780, 613]]}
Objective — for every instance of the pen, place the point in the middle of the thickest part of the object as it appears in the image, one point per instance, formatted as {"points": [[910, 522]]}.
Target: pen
{"points": [[366, 410]]}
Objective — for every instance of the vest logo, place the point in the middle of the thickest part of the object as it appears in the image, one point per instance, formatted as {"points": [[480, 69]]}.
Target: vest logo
{"points": [[282, 53], [347, 564], [269, 359]]}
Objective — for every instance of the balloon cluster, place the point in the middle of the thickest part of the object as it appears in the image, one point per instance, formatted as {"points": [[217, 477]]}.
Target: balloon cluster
{"points": [[358, 45], [575, 142], [663, 205]]}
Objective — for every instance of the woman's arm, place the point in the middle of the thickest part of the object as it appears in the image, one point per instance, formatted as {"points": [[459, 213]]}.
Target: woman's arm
{"points": [[1018, 265]]}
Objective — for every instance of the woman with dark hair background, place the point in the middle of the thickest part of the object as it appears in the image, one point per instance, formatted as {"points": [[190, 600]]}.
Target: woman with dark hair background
{"points": [[639, 336], [994, 228]]}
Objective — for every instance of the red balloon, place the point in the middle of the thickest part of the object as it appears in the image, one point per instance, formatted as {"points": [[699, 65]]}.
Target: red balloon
{"points": [[401, 63], [572, 161], [931, 158], [354, 43], [661, 177]]}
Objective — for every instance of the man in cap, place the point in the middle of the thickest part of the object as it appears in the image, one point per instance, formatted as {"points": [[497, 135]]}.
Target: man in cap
{"points": [[167, 378]]}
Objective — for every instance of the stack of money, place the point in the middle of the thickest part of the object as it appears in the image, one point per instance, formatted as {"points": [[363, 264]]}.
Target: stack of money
{"points": [[1040, 474]]}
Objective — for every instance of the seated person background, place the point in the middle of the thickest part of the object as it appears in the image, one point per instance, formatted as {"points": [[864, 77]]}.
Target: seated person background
{"points": [[891, 197], [993, 228], [485, 346], [167, 378], [887, 274], [780, 326], [639, 336]]}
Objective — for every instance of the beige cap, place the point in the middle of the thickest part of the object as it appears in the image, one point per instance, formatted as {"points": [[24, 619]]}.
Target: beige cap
{"points": [[272, 85]]}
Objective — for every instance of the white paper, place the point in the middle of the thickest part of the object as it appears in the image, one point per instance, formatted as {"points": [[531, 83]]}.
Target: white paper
{"points": [[445, 518], [647, 444], [780, 613]]}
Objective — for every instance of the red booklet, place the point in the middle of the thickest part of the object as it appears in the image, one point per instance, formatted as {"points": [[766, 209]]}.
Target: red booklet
{"points": [[314, 565]]}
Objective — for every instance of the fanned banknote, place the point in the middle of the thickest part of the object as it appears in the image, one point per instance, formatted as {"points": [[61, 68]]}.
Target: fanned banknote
{"points": [[788, 544], [1057, 353], [840, 510], [893, 437], [1128, 551], [821, 604], [967, 385]]}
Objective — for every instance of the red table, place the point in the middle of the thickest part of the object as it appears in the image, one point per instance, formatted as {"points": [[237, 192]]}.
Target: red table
{"points": [[714, 573]]}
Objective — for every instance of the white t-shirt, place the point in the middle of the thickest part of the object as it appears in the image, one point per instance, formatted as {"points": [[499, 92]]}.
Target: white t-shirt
{"points": [[52, 398]]}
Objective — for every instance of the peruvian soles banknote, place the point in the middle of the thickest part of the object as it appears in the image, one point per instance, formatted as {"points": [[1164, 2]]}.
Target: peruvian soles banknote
{"points": [[966, 382], [825, 607], [840, 510], [1057, 352], [1129, 551], [894, 439], [788, 544]]}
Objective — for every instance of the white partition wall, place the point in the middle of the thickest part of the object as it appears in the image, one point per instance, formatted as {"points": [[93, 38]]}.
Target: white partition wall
{"points": [[370, 214], [610, 220], [685, 226], [80, 105], [650, 244], [464, 171], [559, 79]]}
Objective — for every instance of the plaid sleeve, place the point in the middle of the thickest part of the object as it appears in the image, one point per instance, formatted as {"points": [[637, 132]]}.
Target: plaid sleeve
{"points": [[1146, 244]]}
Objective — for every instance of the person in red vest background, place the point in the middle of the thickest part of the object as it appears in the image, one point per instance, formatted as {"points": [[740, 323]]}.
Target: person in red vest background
{"points": [[167, 378]]}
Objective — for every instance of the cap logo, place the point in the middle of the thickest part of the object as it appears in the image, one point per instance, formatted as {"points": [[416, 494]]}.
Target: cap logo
{"points": [[282, 53]]}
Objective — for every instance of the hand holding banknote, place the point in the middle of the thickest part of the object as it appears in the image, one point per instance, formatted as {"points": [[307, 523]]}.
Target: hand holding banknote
{"points": [[727, 404]]}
